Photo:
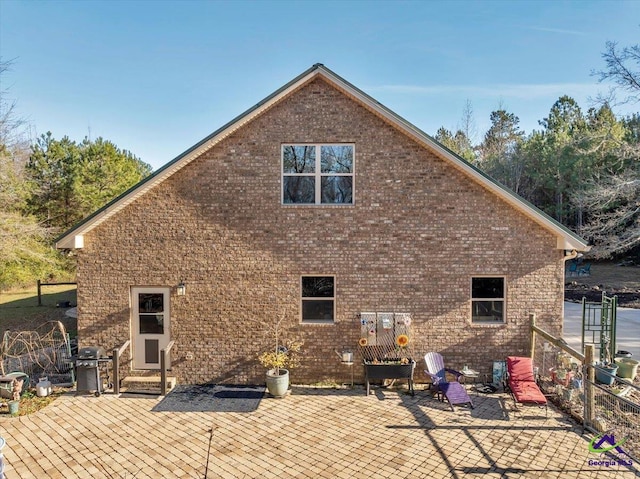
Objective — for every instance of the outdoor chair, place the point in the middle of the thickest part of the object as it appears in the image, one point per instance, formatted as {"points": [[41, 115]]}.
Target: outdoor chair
{"points": [[573, 268], [453, 391], [521, 382], [585, 270]]}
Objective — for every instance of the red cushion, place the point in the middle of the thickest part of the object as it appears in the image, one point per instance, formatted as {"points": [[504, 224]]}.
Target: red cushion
{"points": [[520, 369], [527, 392]]}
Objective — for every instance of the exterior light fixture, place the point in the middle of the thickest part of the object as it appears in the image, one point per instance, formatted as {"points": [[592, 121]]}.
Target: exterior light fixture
{"points": [[181, 289]]}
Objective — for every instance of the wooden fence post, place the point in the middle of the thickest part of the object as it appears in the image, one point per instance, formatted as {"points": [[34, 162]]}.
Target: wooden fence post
{"points": [[163, 373], [589, 390], [532, 317], [39, 293], [116, 371]]}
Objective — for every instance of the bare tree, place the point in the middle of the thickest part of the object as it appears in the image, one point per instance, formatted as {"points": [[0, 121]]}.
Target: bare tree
{"points": [[467, 123], [622, 67], [614, 224]]}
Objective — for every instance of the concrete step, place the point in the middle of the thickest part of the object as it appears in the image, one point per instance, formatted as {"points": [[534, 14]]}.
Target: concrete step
{"points": [[145, 384]]}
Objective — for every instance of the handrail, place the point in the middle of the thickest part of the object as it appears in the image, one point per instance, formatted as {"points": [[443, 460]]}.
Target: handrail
{"points": [[123, 347], [117, 352], [558, 342], [164, 360]]}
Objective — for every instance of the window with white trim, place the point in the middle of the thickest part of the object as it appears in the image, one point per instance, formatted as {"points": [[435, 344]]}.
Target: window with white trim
{"points": [[487, 300], [318, 299], [317, 174]]}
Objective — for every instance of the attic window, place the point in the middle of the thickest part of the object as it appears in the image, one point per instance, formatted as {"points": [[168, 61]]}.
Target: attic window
{"points": [[317, 174]]}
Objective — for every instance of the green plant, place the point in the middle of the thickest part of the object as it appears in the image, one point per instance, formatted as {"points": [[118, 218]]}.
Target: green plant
{"points": [[31, 403], [283, 357]]}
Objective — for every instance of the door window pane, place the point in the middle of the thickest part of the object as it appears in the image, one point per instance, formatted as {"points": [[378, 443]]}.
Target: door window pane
{"points": [[152, 324], [151, 302]]}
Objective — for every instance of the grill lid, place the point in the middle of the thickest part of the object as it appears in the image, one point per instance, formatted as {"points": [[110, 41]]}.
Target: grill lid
{"points": [[91, 352]]}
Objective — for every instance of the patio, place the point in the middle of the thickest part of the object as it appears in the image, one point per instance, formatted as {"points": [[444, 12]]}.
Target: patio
{"points": [[313, 433]]}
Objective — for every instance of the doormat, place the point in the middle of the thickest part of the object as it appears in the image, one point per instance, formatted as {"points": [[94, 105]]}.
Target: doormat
{"points": [[211, 398]]}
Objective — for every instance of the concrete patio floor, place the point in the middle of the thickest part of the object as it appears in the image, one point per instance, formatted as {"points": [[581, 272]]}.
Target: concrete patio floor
{"points": [[312, 433]]}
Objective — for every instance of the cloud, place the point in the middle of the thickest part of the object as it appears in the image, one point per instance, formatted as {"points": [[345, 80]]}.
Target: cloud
{"points": [[519, 91]]}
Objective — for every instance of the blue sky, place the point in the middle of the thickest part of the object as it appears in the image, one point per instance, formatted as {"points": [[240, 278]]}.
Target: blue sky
{"points": [[157, 77]]}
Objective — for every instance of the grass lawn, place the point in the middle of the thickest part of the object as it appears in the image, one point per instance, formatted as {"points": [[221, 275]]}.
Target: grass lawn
{"points": [[610, 276], [19, 309]]}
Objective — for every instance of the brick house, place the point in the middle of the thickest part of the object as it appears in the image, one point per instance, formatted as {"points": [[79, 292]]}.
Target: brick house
{"points": [[317, 204]]}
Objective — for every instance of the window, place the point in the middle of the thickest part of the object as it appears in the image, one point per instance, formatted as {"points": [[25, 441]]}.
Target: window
{"points": [[487, 300], [151, 313], [318, 298], [317, 174]]}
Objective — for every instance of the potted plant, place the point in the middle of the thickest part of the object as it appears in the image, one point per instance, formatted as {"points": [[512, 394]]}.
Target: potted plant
{"points": [[606, 370], [279, 360], [627, 368]]}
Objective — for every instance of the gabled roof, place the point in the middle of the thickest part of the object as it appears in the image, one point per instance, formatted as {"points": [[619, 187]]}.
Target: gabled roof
{"points": [[73, 238]]}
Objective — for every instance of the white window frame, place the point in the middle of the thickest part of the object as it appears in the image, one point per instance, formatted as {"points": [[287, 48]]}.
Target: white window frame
{"points": [[317, 298], [318, 175], [503, 299]]}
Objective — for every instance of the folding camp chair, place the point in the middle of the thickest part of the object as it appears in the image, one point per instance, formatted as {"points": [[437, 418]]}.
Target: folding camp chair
{"points": [[453, 391]]}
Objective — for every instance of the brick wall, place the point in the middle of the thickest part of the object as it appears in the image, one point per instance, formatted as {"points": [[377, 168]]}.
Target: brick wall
{"points": [[418, 232]]}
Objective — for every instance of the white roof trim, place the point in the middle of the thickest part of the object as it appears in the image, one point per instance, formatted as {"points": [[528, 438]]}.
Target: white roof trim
{"points": [[566, 239]]}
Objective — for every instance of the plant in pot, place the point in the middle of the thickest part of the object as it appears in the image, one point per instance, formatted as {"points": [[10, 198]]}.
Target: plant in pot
{"points": [[606, 369], [279, 360]]}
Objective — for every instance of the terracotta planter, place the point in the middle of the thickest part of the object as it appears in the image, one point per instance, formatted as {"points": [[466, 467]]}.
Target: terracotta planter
{"points": [[278, 384]]}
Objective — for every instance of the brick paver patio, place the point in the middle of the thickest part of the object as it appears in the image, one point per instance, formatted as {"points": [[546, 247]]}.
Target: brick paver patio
{"points": [[313, 433]]}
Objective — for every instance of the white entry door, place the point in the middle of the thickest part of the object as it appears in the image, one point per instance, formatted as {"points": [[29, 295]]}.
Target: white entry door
{"points": [[150, 325]]}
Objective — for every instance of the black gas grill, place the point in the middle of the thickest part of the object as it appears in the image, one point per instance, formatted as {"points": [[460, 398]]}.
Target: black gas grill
{"points": [[88, 364]]}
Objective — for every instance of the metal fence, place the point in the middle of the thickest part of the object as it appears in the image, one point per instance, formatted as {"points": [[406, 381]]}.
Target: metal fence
{"points": [[613, 409], [581, 390], [43, 352]]}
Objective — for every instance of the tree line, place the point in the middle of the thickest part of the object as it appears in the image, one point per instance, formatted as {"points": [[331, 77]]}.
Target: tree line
{"points": [[580, 167], [47, 186]]}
